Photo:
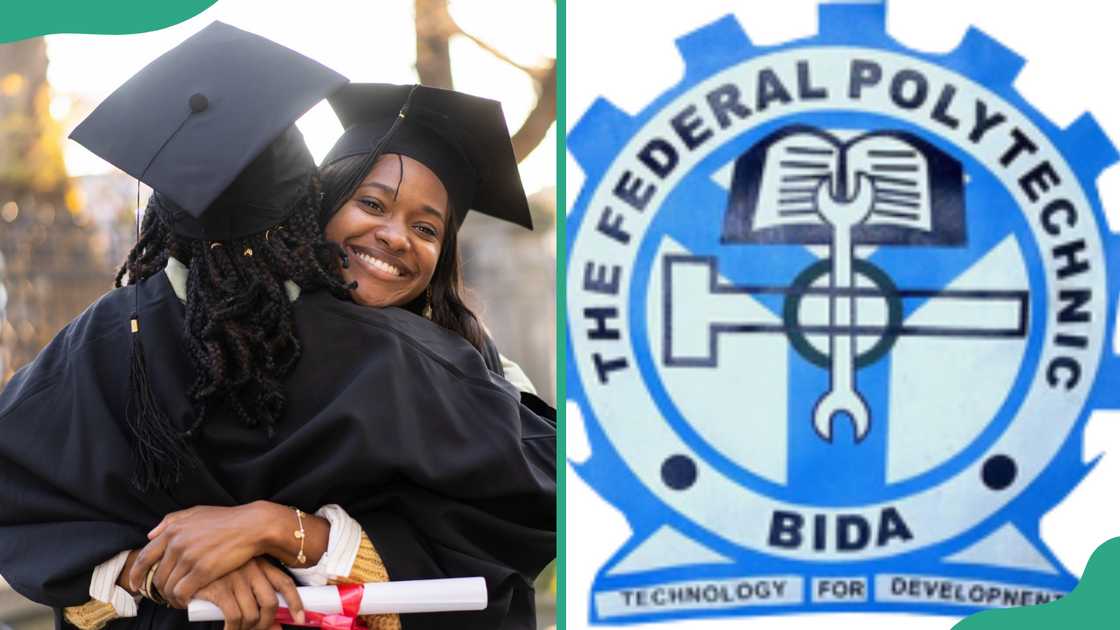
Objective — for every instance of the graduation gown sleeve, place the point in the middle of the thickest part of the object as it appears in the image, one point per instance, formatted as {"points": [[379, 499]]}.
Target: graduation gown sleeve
{"points": [[506, 539], [66, 504]]}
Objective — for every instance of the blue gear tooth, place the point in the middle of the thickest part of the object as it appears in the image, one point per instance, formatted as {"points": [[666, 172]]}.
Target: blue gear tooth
{"points": [[714, 46], [852, 22], [599, 135], [1107, 388], [1108, 385], [1089, 146], [985, 59]]}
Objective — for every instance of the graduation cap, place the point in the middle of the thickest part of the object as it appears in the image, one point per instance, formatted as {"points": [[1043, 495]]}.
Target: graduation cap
{"points": [[209, 126], [463, 139]]}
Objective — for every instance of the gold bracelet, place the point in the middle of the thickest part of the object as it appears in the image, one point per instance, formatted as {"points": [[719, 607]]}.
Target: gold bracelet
{"points": [[301, 536]]}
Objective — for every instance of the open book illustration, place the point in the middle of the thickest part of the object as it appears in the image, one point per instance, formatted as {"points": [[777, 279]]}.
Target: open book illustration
{"points": [[915, 197]]}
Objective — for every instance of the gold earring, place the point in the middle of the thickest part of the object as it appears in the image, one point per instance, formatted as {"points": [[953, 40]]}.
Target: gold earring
{"points": [[248, 252], [428, 306]]}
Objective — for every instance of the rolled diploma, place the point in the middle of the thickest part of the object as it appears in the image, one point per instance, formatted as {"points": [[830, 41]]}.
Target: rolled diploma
{"points": [[408, 596]]}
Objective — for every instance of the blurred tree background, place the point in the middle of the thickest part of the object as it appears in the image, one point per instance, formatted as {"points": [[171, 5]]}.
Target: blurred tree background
{"points": [[500, 251], [52, 260], [63, 235], [497, 252]]}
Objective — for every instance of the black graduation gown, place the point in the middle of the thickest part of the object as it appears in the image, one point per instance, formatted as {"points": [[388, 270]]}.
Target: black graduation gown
{"points": [[388, 415]]}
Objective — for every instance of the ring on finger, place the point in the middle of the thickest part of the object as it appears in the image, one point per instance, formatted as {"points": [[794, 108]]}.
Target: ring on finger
{"points": [[149, 590]]}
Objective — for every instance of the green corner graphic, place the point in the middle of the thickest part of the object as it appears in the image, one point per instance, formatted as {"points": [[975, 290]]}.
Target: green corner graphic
{"points": [[29, 18], [1095, 603]]}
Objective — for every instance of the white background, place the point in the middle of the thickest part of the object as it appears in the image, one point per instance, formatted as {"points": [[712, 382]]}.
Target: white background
{"points": [[623, 50]]}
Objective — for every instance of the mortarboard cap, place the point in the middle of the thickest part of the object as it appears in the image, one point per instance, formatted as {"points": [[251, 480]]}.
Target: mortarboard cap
{"points": [[218, 106], [209, 126], [463, 139]]}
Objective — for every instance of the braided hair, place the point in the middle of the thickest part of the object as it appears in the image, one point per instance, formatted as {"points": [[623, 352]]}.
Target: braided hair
{"points": [[239, 329], [443, 302]]}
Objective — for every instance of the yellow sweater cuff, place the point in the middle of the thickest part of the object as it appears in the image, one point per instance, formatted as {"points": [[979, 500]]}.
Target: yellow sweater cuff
{"points": [[368, 567], [92, 615]]}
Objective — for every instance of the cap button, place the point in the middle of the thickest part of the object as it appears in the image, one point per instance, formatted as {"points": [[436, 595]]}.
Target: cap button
{"points": [[199, 102]]}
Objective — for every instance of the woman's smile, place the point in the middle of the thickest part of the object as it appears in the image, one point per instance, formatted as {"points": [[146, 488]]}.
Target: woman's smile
{"points": [[379, 263]]}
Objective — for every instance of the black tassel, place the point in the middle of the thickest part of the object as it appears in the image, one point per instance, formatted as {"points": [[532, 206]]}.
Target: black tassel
{"points": [[358, 172], [162, 453]]}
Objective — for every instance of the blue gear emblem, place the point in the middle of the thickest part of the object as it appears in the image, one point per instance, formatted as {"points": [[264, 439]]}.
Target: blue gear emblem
{"points": [[838, 312]]}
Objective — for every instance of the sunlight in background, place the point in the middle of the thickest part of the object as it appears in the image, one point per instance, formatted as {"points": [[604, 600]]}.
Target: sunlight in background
{"points": [[365, 41]]}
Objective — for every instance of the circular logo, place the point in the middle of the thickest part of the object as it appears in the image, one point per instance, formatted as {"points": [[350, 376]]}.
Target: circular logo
{"points": [[835, 303]]}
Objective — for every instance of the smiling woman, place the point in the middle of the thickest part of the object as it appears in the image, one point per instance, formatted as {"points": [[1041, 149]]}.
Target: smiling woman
{"points": [[393, 226], [398, 185]]}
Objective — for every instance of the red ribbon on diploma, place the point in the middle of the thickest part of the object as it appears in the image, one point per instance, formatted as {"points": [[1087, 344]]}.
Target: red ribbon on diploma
{"points": [[351, 596]]}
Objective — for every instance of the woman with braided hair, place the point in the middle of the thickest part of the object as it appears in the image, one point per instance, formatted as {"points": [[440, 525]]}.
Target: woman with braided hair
{"points": [[98, 449], [238, 319], [243, 410]]}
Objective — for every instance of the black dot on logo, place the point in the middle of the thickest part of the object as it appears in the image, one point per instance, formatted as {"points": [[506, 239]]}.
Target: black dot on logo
{"points": [[998, 472], [678, 472]]}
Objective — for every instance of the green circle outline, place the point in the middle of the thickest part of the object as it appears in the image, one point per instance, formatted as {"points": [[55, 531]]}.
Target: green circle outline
{"points": [[805, 279]]}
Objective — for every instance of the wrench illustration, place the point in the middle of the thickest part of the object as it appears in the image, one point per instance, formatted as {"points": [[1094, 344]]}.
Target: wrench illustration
{"points": [[842, 215]]}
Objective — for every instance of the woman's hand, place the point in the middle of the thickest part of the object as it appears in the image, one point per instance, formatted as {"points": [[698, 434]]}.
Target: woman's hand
{"points": [[196, 546], [247, 596], [204, 542]]}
